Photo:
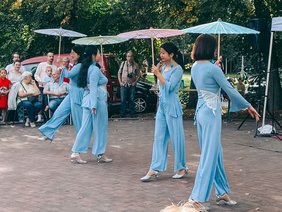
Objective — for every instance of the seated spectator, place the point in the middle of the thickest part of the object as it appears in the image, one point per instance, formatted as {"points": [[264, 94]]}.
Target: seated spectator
{"points": [[55, 91], [15, 75], [28, 98]]}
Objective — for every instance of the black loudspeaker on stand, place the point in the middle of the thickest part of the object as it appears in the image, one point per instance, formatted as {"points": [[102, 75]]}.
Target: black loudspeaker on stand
{"points": [[258, 44], [258, 41], [255, 97], [255, 92], [258, 101], [270, 115]]}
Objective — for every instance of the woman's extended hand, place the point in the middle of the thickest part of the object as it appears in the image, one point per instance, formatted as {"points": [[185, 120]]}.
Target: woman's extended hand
{"points": [[252, 111]]}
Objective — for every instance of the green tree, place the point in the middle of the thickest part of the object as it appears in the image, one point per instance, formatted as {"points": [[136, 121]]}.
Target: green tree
{"points": [[19, 19], [266, 9]]}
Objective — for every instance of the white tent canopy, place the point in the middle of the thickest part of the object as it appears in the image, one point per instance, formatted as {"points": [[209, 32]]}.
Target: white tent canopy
{"points": [[276, 26]]}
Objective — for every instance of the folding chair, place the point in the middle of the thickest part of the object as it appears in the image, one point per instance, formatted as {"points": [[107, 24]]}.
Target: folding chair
{"points": [[49, 113]]}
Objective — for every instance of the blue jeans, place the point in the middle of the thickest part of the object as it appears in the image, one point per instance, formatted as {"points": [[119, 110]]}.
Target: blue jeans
{"points": [[127, 93], [54, 103], [32, 108], [20, 112]]}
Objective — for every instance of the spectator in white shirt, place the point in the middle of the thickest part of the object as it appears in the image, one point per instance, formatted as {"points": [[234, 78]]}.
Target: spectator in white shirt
{"points": [[40, 73], [10, 67], [15, 75]]}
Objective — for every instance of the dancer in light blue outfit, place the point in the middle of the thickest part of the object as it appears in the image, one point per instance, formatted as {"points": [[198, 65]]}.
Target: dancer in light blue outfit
{"points": [[95, 109], [71, 103], [169, 123], [209, 79]]}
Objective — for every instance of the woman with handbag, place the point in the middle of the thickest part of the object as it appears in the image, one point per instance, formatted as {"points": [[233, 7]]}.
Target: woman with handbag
{"points": [[28, 98]]}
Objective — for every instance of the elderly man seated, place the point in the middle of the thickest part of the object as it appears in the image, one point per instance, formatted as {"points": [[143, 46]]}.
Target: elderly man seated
{"points": [[28, 93], [56, 91]]}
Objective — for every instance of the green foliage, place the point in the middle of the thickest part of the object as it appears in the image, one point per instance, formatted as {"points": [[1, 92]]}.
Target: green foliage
{"points": [[184, 97], [19, 19]]}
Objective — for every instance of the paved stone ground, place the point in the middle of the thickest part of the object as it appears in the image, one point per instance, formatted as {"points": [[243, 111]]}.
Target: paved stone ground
{"points": [[38, 176]]}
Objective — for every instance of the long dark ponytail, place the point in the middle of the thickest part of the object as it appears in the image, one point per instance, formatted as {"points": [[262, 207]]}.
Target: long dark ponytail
{"points": [[177, 55], [78, 49], [86, 62]]}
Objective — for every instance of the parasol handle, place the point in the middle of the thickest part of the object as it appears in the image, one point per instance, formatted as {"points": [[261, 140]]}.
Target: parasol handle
{"points": [[153, 56], [218, 47], [60, 40], [102, 55]]}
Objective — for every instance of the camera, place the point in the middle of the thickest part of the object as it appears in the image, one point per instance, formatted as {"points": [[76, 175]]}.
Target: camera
{"points": [[130, 75]]}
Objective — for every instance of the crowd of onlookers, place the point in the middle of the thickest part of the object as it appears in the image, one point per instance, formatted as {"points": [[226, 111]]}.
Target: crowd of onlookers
{"points": [[37, 97], [31, 98]]}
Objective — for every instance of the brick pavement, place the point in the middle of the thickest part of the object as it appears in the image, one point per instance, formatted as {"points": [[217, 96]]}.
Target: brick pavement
{"points": [[38, 176]]}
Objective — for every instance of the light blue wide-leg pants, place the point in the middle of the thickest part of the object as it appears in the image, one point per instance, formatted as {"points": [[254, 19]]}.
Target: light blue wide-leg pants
{"points": [[66, 108], [96, 123], [211, 168], [168, 127], [76, 115], [100, 128]]}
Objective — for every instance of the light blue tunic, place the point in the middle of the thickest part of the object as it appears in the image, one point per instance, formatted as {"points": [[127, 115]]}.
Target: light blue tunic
{"points": [[169, 123], [95, 96], [70, 105], [209, 79]]}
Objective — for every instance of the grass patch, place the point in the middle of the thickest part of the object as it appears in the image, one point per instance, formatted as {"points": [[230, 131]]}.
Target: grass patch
{"points": [[186, 78]]}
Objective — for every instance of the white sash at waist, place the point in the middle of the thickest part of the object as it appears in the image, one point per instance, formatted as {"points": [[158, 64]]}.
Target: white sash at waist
{"points": [[211, 99]]}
